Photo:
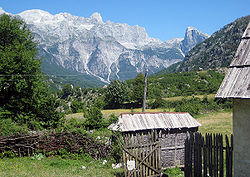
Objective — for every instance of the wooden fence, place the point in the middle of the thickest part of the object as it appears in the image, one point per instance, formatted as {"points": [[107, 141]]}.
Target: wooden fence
{"points": [[142, 155], [206, 156], [52, 144]]}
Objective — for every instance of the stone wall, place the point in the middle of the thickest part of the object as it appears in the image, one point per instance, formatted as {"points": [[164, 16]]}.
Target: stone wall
{"points": [[241, 128]]}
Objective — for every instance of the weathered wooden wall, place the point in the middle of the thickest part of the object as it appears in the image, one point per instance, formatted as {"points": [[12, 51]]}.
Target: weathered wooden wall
{"points": [[172, 143]]}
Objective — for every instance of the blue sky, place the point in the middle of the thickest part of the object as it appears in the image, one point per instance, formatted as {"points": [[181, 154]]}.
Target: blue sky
{"points": [[163, 19]]}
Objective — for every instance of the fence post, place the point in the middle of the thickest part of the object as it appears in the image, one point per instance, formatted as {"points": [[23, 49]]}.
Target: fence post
{"points": [[227, 157], [205, 155], [200, 154], [231, 158]]}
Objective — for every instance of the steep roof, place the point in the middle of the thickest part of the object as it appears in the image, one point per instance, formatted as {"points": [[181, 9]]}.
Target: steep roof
{"points": [[147, 121], [236, 83]]}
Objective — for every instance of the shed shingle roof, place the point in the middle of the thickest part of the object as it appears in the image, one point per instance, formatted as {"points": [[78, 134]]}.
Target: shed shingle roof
{"points": [[146, 121], [236, 83]]}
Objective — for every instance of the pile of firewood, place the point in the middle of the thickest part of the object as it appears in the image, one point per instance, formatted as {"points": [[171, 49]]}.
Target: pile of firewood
{"points": [[27, 145]]}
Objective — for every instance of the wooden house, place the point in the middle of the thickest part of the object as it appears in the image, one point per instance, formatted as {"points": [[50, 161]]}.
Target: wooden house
{"points": [[169, 129], [236, 85]]}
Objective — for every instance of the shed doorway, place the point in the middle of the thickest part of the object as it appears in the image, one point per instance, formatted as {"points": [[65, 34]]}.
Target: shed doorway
{"points": [[142, 157]]}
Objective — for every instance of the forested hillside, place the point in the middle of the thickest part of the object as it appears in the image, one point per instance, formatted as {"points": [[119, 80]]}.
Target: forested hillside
{"points": [[216, 51], [185, 83]]}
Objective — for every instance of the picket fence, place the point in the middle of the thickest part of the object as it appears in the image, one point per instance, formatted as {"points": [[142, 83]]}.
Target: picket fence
{"points": [[205, 156]]}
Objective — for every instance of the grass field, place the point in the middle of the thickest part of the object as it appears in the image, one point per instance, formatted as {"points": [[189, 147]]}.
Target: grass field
{"points": [[188, 97], [116, 112], [217, 122], [56, 167]]}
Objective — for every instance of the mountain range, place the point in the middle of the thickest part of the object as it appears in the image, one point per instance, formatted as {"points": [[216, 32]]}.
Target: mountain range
{"points": [[215, 52], [94, 52]]}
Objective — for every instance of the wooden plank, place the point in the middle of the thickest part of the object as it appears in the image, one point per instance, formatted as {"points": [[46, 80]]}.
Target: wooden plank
{"points": [[227, 158], [136, 155], [200, 154], [141, 145], [145, 160], [159, 151], [246, 33], [143, 155], [210, 155], [139, 154], [153, 154], [195, 158], [231, 157], [221, 169], [125, 159], [242, 54], [191, 154], [205, 155], [175, 141], [148, 150], [187, 161], [124, 163], [216, 155]]}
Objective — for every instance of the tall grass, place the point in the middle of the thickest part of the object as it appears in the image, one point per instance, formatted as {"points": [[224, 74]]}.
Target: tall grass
{"points": [[216, 122]]}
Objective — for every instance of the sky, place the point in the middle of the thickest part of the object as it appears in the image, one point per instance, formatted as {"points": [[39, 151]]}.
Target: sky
{"points": [[163, 19]]}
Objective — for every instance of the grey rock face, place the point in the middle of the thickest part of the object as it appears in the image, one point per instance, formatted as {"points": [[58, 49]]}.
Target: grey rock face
{"points": [[192, 38], [106, 51]]}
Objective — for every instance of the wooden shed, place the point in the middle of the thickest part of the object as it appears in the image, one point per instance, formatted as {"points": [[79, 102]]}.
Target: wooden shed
{"points": [[168, 128], [236, 85]]}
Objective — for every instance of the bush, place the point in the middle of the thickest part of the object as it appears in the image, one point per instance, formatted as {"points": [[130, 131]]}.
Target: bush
{"points": [[174, 172], [158, 103], [77, 106], [112, 119], [116, 144], [93, 118], [72, 125], [196, 106], [9, 127], [191, 106]]}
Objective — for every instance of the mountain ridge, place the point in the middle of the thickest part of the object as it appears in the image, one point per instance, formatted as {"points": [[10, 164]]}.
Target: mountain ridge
{"points": [[104, 50], [216, 51]]}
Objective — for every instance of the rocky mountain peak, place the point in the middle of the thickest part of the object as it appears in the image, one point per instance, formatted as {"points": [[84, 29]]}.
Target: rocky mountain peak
{"points": [[35, 16], [96, 16], [105, 51], [192, 38], [1, 10]]}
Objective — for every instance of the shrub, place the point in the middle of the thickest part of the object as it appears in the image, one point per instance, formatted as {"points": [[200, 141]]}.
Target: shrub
{"points": [[173, 172], [158, 103], [112, 119], [116, 145], [77, 106], [192, 106], [94, 118], [72, 125], [9, 127]]}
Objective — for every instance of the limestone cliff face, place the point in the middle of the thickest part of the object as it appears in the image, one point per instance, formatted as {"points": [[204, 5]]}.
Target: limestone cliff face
{"points": [[216, 51], [104, 50], [192, 38]]}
